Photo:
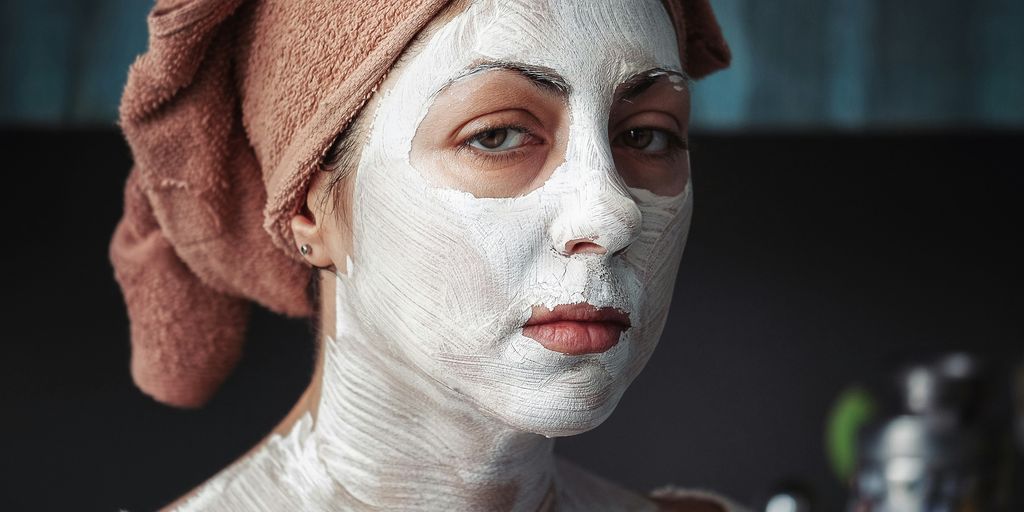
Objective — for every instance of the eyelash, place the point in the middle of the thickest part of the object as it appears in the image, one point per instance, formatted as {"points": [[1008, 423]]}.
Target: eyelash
{"points": [[498, 156], [675, 142]]}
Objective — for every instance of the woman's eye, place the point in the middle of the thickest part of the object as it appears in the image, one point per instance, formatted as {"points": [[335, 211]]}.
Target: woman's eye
{"points": [[650, 140], [499, 139]]}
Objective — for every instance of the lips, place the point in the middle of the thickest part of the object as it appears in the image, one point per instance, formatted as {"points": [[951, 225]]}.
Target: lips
{"points": [[576, 329]]}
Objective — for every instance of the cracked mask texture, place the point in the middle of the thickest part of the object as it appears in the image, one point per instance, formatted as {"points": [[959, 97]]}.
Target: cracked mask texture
{"points": [[441, 282], [449, 279]]}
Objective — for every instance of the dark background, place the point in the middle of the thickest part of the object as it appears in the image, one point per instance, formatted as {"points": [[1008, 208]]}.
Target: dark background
{"points": [[859, 205], [815, 262]]}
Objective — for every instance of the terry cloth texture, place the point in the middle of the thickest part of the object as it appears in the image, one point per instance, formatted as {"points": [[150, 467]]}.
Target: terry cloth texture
{"points": [[228, 114]]}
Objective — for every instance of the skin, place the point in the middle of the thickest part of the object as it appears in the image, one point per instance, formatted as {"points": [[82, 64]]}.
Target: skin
{"points": [[464, 111], [446, 274], [497, 132]]}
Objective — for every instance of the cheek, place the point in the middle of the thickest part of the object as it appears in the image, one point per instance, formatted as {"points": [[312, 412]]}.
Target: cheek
{"points": [[475, 291], [654, 260], [662, 177], [656, 253], [492, 266], [437, 275]]}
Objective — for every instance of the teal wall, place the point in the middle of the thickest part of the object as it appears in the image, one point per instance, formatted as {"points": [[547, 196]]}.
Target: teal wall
{"points": [[842, 64], [65, 61]]}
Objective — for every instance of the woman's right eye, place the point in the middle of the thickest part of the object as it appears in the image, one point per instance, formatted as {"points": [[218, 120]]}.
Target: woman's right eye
{"points": [[495, 140], [649, 140]]}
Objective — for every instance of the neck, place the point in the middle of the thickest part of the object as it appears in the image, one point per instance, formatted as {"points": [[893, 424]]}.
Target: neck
{"points": [[374, 433], [397, 439]]}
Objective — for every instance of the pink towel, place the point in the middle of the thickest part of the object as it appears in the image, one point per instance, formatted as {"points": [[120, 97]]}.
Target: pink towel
{"points": [[228, 114]]}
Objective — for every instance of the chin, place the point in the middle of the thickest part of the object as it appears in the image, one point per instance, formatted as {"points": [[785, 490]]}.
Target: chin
{"points": [[577, 425], [574, 402]]}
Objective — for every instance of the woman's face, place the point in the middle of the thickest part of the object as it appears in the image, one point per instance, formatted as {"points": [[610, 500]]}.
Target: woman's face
{"points": [[521, 205]]}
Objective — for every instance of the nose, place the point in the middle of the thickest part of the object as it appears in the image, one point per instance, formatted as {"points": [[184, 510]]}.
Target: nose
{"points": [[599, 218], [583, 245]]}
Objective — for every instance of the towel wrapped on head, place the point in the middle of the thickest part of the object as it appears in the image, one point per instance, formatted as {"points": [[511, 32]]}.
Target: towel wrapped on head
{"points": [[228, 114]]}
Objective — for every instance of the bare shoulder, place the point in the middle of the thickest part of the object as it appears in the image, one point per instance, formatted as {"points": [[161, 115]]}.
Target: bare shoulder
{"points": [[583, 490], [677, 499]]}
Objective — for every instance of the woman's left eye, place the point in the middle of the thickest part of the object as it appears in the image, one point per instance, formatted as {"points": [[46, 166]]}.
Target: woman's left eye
{"points": [[648, 140], [499, 139]]}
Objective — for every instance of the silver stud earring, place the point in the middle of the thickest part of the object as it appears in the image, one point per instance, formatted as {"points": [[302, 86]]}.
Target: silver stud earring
{"points": [[305, 249]]}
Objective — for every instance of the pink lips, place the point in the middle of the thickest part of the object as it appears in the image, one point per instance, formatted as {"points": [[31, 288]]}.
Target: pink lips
{"points": [[576, 329]]}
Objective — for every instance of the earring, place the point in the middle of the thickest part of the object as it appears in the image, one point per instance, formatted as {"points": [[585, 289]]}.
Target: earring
{"points": [[305, 249]]}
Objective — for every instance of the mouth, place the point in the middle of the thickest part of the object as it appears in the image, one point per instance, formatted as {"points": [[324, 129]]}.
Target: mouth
{"points": [[576, 329]]}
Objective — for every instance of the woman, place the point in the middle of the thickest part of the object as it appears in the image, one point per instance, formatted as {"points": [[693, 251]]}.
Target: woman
{"points": [[497, 232]]}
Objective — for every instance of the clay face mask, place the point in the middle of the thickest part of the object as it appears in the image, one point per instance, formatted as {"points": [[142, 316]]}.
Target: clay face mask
{"points": [[458, 245], [525, 165]]}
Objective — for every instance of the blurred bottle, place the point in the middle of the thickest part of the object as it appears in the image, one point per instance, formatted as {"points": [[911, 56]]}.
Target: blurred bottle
{"points": [[789, 497], [937, 451]]}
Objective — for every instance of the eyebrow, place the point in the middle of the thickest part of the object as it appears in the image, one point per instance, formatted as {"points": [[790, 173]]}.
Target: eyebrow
{"points": [[640, 82], [551, 81], [542, 77]]}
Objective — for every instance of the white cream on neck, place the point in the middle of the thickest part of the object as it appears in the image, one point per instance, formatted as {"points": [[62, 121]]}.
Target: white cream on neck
{"points": [[386, 439], [432, 398]]}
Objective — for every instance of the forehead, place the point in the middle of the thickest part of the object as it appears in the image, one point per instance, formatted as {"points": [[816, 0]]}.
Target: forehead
{"points": [[592, 45], [592, 42]]}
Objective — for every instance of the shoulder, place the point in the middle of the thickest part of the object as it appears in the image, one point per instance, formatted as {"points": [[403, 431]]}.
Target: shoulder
{"points": [[676, 499], [583, 490]]}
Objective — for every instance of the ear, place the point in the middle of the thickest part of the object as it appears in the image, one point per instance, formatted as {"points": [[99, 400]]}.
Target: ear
{"points": [[309, 233]]}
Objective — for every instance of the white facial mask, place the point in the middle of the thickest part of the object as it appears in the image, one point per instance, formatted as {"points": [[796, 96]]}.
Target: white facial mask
{"points": [[444, 281], [448, 279]]}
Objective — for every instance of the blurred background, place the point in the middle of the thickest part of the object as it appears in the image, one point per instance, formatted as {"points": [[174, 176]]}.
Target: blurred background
{"points": [[798, 64], [858, 218]]}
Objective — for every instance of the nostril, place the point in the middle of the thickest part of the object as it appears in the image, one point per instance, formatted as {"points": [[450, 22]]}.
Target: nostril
{"points": [[583, 245]]}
